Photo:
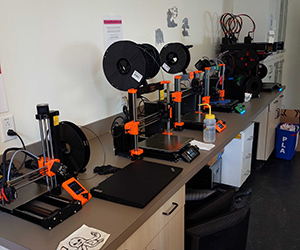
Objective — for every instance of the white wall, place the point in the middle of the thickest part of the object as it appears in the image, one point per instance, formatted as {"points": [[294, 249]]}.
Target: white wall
{"points": [[259, 11], [291, 72], [266, 15], [51, 51]]}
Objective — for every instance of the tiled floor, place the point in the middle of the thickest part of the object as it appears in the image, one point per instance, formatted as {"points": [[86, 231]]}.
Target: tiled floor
{"points": [[275, 205]]}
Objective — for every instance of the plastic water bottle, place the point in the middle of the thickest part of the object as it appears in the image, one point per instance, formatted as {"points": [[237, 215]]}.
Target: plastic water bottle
{"points": [[209, 128]]}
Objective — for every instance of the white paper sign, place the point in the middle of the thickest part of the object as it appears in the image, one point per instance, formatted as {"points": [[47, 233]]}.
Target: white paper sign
{"points": [[84, 238], [3, 101], [113, 29]]}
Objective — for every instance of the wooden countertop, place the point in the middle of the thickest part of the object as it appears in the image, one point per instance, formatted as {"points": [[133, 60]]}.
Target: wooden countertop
{"points": [[121, 221]]}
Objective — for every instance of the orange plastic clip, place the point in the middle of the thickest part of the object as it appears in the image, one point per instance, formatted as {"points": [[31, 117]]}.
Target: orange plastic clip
{"points": [[132, 91], [132, 128], [136, 152], [205, 99], [178, 124], [191, 75], [165, 82], [222, 94], [167, 133], [49, 163], [176, 96]]}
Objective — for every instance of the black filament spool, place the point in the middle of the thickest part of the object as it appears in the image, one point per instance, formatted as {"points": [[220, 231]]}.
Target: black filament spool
{"points": [[262, 71], [153, 59], [127, 65], [254, 85], [175, 58], [75, 148]]}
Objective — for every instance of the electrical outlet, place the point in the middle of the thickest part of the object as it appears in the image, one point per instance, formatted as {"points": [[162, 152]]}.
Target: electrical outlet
{"points": [[6, 123], [124, 101]]}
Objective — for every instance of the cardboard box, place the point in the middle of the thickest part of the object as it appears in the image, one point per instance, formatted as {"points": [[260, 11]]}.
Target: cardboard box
{"points": [[291, 116]]}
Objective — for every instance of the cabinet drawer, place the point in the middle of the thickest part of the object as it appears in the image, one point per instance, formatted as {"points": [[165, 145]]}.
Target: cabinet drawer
{"points": [[248, 139], [236, 163], [246, 164], [243, 141], [244, 174], [142, 237], [171, 237]]}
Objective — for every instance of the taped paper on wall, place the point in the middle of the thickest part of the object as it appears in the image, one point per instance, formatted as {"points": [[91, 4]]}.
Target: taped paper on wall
{"points": [[84, 238], [3, 101], [113, 30]]}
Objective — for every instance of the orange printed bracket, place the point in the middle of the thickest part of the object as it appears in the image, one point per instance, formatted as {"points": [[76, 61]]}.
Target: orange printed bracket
{"points": [[191, 75], [76, 190], [178, 124], [138, 152], [176, 96], [132, 128], [49, 163], [222, 95], [205, 99]]}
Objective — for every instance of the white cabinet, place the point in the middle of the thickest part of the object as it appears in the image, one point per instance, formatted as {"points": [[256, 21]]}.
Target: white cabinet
{"points": [[236, 160], [268, 120], [167, 224]]}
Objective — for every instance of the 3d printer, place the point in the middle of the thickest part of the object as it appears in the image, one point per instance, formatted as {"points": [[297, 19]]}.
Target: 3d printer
{"points": [[127, 66], [243, 68], [34, 194]]}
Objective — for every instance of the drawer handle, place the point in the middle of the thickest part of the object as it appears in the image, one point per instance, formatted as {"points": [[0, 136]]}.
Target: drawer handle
{"points": [[250, 138], [276, 101], [248, 156], [172, 210], [277, 113]]}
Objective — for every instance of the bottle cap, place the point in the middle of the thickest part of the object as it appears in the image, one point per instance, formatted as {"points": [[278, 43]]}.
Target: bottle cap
{"points": [[209, 116]]}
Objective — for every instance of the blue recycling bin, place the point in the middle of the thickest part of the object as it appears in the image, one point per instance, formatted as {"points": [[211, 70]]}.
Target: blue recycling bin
{"points": [[286, 142]]}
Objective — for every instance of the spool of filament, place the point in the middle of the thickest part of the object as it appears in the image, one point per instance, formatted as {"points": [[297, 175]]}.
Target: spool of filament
{"points": [[254, 85], [74, 146], [153, 59], [127, 65], [175, 58]]}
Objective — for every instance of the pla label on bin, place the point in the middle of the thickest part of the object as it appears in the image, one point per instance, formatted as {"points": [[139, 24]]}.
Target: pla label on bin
{"points": [[282, 150], [286, 142]]}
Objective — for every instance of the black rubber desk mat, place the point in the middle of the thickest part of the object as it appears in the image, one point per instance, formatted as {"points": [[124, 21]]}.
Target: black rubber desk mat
{"points": [[136, 184]]}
